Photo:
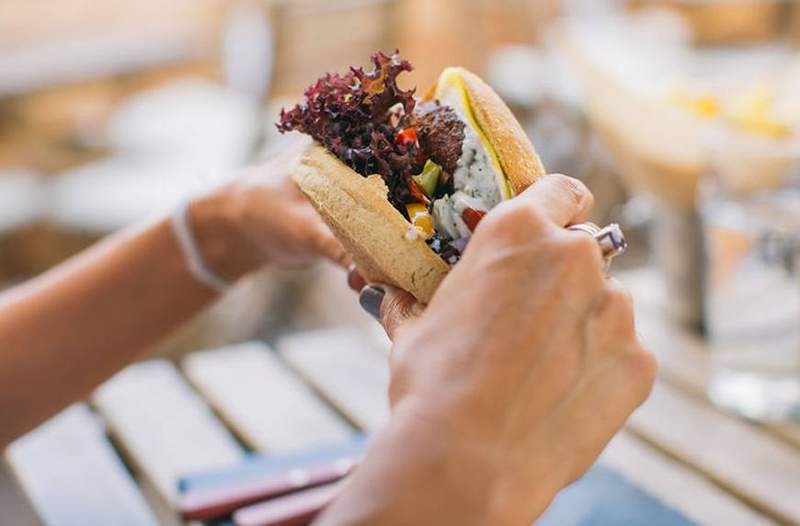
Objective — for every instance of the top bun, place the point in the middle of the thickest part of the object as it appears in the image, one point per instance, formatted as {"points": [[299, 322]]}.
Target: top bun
{"points": [[373, 232], [521, 165]]}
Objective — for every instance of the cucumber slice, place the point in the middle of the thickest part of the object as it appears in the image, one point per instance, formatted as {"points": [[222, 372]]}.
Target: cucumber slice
{"points": [[428, 178]]}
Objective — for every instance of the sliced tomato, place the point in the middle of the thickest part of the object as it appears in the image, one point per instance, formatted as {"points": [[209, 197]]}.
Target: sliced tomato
{"points": [[406, 137], [472, 217]]}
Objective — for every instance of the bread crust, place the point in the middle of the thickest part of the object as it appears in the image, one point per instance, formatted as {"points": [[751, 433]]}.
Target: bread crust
{"points": [[373, 232], [518, 158]]}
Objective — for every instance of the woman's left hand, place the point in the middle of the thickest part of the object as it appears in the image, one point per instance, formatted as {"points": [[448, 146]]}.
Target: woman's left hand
{"points": [[263, 218]]}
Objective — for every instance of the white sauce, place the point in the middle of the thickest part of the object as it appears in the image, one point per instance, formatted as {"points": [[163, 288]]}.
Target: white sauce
{"points": [[475, 175], [447, 213], [446, 220], [475, 183]]}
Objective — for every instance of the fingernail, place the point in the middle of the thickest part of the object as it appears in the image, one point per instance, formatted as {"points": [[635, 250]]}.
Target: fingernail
{"points": [[371, 299]]}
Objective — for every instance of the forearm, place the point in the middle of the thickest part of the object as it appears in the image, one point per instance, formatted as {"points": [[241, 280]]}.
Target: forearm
{"points": [[66, 331]]}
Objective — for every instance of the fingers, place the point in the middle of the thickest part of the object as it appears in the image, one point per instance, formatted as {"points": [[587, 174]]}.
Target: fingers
{"points": [[330, 248], [610, 326], [612, 331], [391, 306], [297, 145], [277, 160], [605, 400], [562, 199], [618, 373], [614, 311], [287, 147], [354, 279]]}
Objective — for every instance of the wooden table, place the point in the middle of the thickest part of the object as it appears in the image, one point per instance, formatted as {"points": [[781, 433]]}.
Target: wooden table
{"points": [[116, 459]]}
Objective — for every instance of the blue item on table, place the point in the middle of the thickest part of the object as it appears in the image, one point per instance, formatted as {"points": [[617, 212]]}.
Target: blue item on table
{"points": [[603, 497], [256, 465]]}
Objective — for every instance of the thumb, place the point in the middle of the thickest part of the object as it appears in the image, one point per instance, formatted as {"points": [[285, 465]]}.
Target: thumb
{"points": [[389, 305]]}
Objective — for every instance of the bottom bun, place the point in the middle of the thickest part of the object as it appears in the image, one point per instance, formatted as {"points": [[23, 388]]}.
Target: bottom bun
{"points": [[372, 231]]}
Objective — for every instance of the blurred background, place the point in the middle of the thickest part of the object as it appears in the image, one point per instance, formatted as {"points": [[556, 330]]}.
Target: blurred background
{"points": [[681, 116], [112, 112]]}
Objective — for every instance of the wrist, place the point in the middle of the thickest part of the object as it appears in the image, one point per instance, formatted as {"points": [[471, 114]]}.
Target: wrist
{"points": [[460, 475], [512, 478], [408, 478], [478, 476], [224, 247], [420, 473]]}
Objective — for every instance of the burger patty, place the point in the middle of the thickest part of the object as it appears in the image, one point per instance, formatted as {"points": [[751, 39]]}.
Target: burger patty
{"points": [[441, 135]]}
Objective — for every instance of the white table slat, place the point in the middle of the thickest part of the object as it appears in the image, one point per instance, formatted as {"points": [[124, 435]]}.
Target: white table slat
{"points": [[755, 466], [73, 476], [346, 369], [684, 358], [164, 428], [163, 510], [315, 308], [789, 432], [22, 199], [262, 400], [676, 485]]}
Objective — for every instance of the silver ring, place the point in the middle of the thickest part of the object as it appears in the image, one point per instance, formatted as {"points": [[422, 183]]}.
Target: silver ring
{"points": [[610, 238]]}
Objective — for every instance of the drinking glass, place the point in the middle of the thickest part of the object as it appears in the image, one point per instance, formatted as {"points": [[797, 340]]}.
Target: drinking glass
{"points": [[750, 211]]}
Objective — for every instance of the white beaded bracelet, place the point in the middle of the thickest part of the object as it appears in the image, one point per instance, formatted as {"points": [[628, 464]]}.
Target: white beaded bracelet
{"points": [[195, 262]]}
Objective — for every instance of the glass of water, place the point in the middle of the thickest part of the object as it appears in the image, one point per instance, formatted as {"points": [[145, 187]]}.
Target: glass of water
{"points": [[750, 210]]}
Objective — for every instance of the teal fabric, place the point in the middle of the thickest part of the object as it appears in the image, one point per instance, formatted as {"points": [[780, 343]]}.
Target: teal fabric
{"points": [[257, 466], [603, 497]]}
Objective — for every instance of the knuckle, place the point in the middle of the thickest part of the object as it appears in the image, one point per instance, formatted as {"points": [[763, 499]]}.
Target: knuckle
{"points": [[519, 212], [580, 247], [574, 189], [398, 383], [618, 305], [398, 312], [620, 301], [400, 330], [514, 217], [393, 309], [643, 366]]}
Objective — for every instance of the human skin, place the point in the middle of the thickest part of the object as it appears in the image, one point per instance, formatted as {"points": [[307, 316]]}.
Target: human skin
{"points": [[66, 331], [510, 383], [503, 390]]}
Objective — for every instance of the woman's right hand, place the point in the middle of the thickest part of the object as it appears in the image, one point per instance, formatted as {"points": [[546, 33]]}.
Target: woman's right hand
{"points": [[511, 382]]}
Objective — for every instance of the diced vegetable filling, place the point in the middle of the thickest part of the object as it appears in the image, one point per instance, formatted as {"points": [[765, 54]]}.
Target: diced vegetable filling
{"points": [[436, 168]]}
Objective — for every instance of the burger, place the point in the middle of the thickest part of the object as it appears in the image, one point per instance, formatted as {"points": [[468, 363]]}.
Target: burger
{"points": [[404, 183]]}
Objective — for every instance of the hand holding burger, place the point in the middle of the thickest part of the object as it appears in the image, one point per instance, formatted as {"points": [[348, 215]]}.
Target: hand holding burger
{"points": [[404, 183], [509, 384], [525, 362]]}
